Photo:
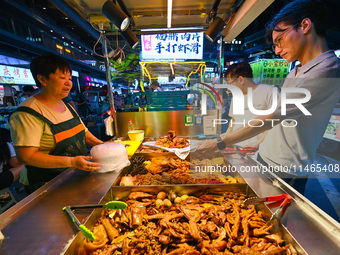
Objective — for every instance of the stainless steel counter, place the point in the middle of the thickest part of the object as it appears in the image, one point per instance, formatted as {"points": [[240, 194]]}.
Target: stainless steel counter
{"points": [[37, 224], [312, 228]]}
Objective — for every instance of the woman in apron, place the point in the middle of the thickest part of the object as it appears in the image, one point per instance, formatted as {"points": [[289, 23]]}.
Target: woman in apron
{"points": [[48, 134]]}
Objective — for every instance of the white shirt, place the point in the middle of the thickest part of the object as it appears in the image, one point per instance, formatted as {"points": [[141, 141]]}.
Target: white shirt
{"points": [[297, 145], [262, 100]]}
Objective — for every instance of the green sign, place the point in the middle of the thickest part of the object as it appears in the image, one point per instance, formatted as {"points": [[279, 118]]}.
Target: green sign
{"points": [[270, 71], [189, 119]]}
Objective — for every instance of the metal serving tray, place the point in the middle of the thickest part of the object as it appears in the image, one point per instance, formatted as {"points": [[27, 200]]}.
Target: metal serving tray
{"points": [[121, 193], [149, 156]]}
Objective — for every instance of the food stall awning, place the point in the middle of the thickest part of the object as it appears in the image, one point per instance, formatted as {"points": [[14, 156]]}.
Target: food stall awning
{"points": [[148, 14], [186, 15]]}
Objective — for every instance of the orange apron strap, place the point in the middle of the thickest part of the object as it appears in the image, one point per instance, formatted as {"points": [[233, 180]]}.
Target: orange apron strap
{"points": [[68, 133]]}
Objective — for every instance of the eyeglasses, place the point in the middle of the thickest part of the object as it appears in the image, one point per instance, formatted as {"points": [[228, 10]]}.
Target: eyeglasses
{"points": [[278, 42], [230, 82]]}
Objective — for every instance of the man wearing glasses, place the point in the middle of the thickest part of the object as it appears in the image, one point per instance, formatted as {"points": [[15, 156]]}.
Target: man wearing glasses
{"points": [[240, 75], [298, 33]]}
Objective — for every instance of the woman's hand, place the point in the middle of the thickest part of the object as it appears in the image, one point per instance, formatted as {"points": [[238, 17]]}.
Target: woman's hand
{"points": [[82, 163], [31, 156]]}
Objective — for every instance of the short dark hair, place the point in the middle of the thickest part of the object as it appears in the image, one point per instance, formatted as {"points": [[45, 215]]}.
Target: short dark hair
{"points": [[240, 68], [48, 64], [295, 12], [28, 88], [154, 83]]}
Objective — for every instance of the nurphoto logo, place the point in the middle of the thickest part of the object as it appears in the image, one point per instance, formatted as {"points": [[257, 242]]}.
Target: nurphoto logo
{"points": [[239, 99]]}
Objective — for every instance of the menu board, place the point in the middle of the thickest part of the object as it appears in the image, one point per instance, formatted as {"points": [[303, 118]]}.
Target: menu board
{"points": [[270, 71], [172, 46], [257, 69], [15, 75]]}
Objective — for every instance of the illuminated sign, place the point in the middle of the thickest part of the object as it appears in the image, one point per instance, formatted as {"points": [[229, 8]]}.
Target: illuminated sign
{"points": [[172, 46], [33, 39], [89, 62], [75, 73], [15, 75], [95, 80], [270, 71]]}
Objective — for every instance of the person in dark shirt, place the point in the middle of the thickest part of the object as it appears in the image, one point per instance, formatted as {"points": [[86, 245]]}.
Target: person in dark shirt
{"points": [[80, 101], [10, 168]]}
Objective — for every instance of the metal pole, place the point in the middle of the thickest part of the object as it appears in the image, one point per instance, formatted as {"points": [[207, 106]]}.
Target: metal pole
{"points": [[221, 70], [221, 59], [109, 82], [78, 86]]}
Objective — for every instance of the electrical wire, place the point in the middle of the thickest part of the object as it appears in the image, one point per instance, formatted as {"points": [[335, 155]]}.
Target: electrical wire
{"points": [[146, 73], [204, 67], [198, 68], [230, 18], [94, 46], [209, 93], [213, 90], [108, 41], [116, 53], [95, 28]]}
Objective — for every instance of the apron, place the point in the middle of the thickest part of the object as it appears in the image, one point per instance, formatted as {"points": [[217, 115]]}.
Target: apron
{"points": [[70, 141]]}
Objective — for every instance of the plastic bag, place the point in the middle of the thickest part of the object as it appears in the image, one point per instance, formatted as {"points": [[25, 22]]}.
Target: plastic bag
{"points": [[111, 156], [109, 126]]}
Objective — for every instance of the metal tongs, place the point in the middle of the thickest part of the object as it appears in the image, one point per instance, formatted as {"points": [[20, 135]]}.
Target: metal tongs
{"points": [[114, 205], [235, 149], [84, 230], [279, 212]]}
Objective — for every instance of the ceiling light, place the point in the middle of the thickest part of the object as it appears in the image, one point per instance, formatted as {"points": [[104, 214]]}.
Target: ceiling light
{"points": [[62, 37], [71, 42], [169, 13], [171, 29], [215, 28], [66, 17], [130, 37], [51, 31], [44, 8], [115, 15]]}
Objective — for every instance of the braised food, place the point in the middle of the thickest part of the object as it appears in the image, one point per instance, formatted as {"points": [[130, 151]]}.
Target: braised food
{"points": [[147, 149], [167, 170], [172, 141], [209, 224]]}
